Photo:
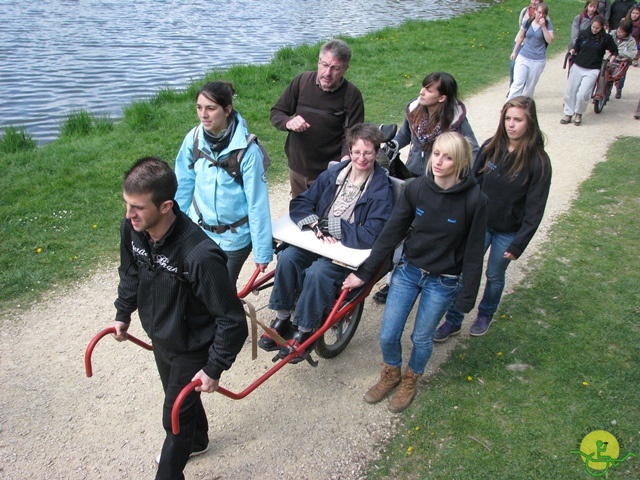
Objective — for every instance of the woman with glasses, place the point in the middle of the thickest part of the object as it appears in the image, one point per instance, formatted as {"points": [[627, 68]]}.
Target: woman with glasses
{"points": [[443, 216], [349, 203]]}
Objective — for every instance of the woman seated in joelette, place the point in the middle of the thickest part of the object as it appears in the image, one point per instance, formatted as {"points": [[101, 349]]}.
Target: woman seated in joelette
{"points": [[349, 203]]}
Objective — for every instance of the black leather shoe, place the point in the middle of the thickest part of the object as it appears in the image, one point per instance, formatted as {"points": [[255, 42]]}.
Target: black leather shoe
{"points": [[381, 295], [283, 327], [298, 339]]}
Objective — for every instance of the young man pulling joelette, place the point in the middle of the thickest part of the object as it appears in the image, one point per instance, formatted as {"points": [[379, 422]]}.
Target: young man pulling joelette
{"points": [[177, 279]]}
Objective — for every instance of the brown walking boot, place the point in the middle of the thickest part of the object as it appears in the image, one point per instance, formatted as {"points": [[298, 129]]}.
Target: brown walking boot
{"points": [[406, 391], [389, 378]]}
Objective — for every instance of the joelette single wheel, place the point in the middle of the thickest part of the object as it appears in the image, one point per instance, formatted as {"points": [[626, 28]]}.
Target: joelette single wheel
{"points": [[600, 90], [336, 339]]}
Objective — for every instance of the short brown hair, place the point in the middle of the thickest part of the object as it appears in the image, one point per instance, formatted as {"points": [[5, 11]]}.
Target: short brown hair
{"points": [[151, 175]]}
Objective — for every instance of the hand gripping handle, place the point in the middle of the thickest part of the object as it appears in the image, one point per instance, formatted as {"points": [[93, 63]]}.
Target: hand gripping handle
{"points": [[98, 337], [177, 404]]}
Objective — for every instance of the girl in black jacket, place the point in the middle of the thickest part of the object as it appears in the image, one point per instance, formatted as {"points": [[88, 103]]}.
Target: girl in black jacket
{"points": [[514, 172], [443, 216], [588, 52]]}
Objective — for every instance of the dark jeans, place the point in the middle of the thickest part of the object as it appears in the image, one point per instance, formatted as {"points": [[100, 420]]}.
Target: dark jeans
{"points": [[176, 371], [235, 261], [317, 279]]}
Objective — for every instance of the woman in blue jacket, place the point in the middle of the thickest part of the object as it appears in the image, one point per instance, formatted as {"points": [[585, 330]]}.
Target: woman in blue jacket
{"points": [[233, 211], [348, 203]]}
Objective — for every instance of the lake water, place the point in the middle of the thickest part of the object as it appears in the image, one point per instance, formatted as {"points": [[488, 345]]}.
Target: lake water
{"points": [[60, 56]]}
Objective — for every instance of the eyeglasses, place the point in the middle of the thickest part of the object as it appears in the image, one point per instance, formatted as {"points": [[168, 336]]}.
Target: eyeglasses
{"points": [[333, 68], [367, 155]]}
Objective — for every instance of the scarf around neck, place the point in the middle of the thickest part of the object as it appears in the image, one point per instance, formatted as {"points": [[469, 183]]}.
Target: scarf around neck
{"points": [[219, 142]]}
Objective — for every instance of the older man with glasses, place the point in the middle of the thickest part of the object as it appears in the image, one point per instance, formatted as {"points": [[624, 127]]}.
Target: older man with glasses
{"points": [[316, 109]]}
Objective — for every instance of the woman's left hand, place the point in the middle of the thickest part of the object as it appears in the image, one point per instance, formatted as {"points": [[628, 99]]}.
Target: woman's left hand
{"points": [[327, 239], [509, 256]]}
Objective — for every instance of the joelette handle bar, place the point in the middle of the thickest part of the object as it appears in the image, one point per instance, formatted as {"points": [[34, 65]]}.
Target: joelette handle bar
{"points": [[177, 404], [109, 330]]}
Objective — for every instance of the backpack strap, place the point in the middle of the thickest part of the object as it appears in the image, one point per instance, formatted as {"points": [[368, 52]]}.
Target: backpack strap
{"points": [[196, 150], [230, 164], [219, 229], [526, 28]]}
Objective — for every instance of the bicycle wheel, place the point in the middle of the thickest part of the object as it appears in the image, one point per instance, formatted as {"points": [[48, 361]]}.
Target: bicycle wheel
{"points": [[336, 339]]}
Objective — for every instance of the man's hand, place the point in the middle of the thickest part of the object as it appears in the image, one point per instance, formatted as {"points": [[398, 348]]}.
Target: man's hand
{"points": [[297, 124], [121, 330], [352, 282], [208, 384]]}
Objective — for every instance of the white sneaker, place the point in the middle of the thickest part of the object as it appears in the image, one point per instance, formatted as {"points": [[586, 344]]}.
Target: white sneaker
{"points": [[193, 454]]}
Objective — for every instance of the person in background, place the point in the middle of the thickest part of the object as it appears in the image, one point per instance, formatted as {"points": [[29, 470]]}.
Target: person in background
{"points": [[525, 14], [627, 50], [619, 10], [233, 211], [587, 54], [443, 216], [188, 306], [514, 172], [436, 110], [349, 204], [634, 17], [583, 20], [604, 9], [530, 62], [316, 109]]}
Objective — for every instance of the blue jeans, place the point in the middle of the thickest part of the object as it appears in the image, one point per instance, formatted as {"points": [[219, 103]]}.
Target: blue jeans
{"points": [[436, 293], [495, 273], [315, 278]]}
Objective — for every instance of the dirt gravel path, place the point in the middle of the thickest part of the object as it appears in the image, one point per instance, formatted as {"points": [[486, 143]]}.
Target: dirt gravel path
{"points": [[303, 423]]}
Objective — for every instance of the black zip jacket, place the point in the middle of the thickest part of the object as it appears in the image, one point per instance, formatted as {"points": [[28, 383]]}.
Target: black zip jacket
{"points": [[515, 204], [181, 311], [590, 49], [447, 234]]}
